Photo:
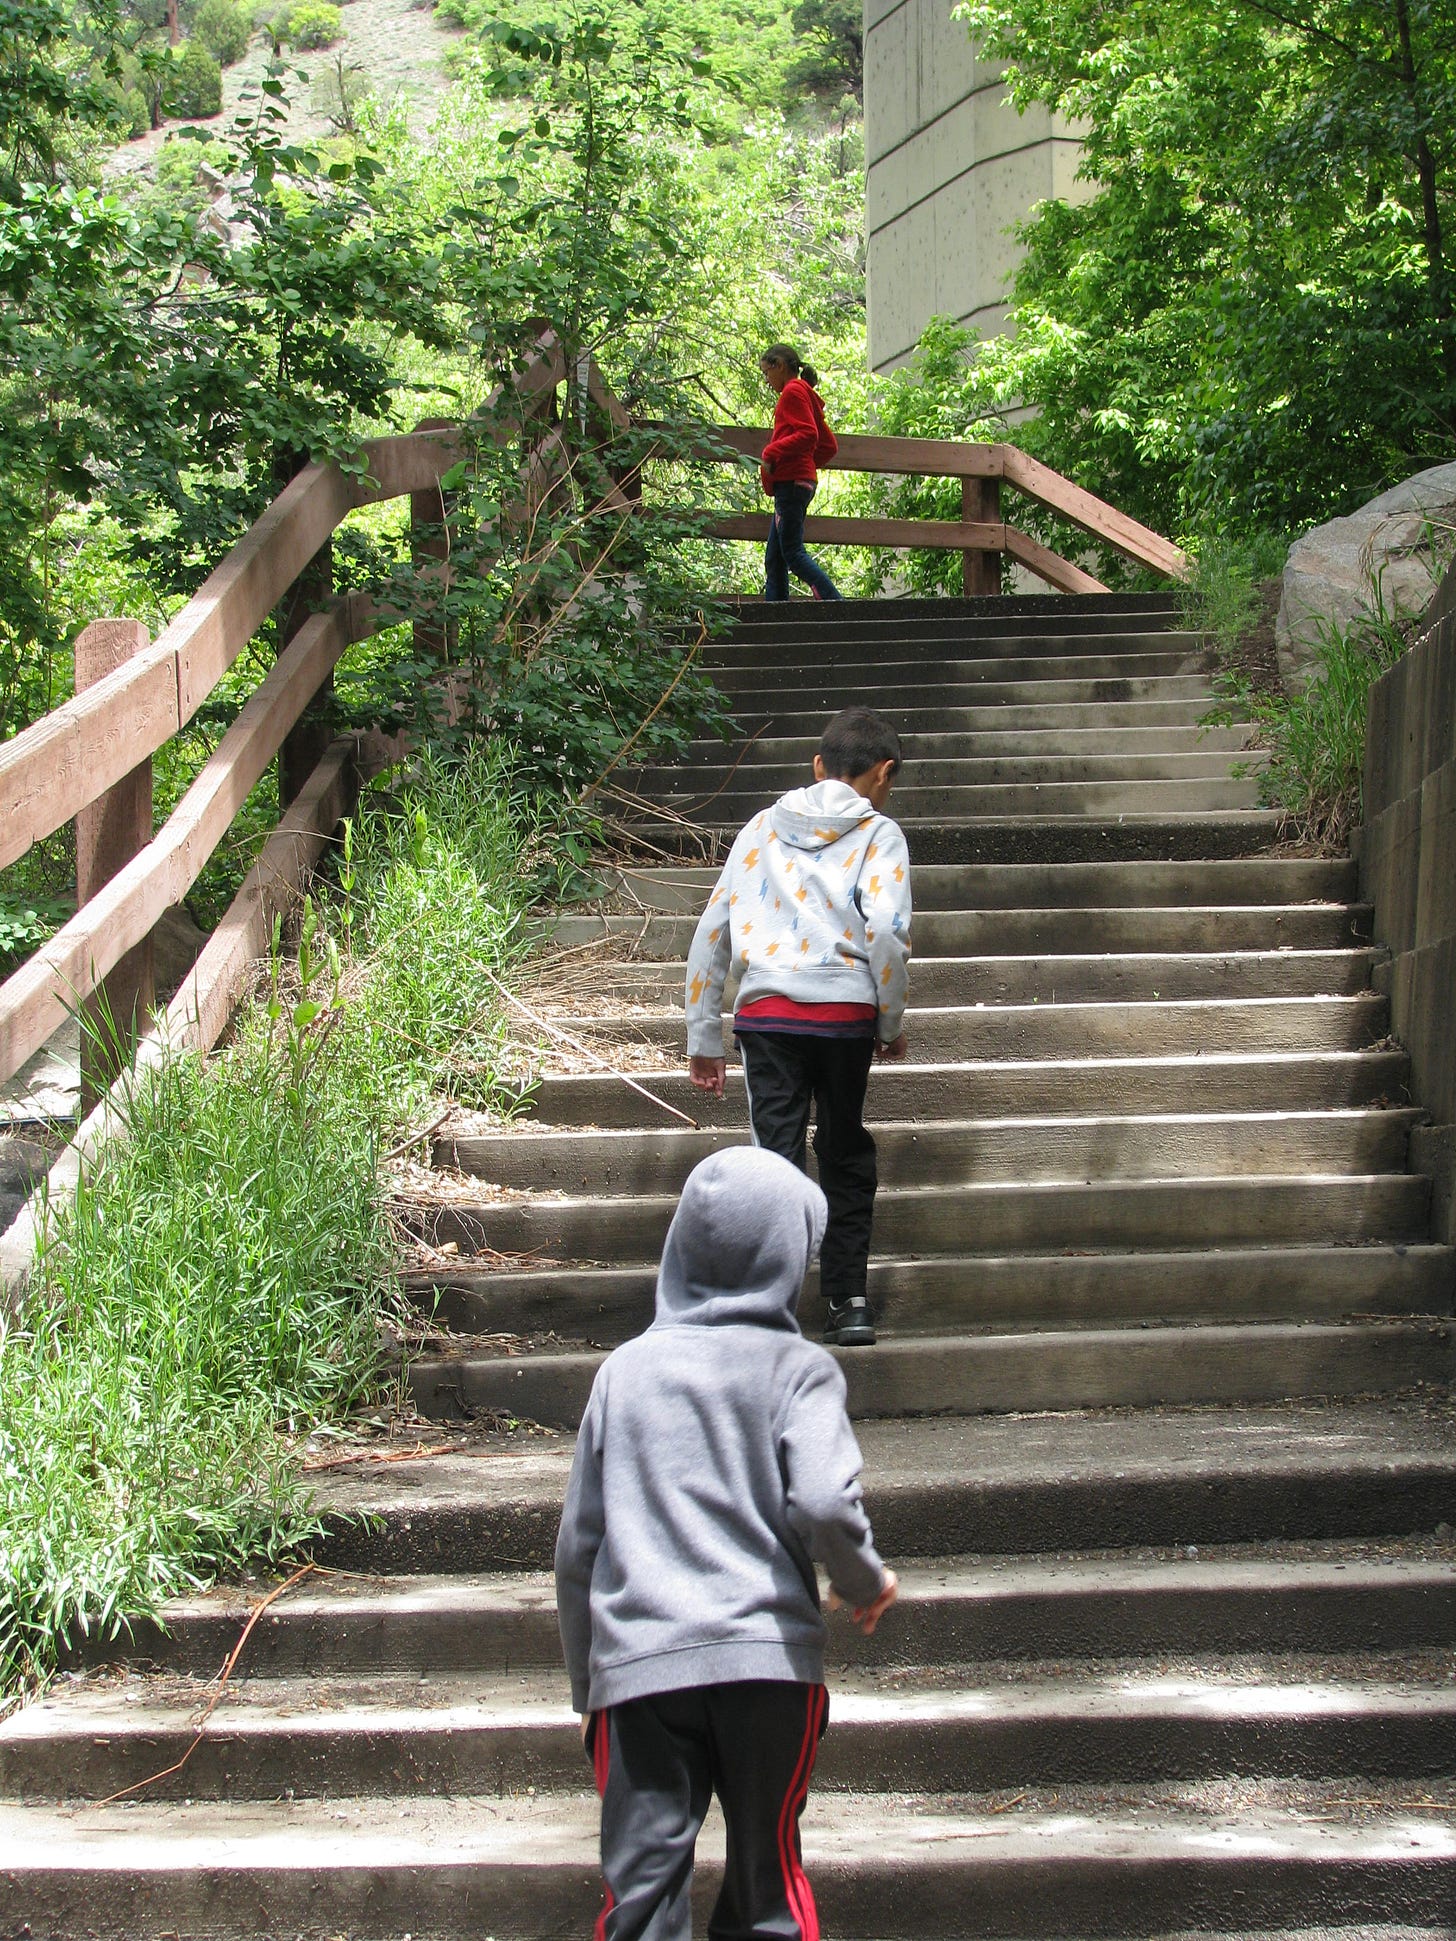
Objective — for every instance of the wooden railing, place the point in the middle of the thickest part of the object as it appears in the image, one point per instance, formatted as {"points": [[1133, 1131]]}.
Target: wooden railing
{"points": [[77, 757], [980, 534]]}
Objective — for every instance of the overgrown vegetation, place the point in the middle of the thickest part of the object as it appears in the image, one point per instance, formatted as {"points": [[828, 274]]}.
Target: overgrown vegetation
{"points": [[1314, 739], [216, 1287], [1246, 323]]}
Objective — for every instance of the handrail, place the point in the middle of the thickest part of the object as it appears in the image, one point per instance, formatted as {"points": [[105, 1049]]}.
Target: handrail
{"points": [[60, 765], [941, 458], [54, 768], [34, 1001]]}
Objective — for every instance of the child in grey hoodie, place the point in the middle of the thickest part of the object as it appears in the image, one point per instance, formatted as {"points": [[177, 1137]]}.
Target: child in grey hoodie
{"points": [[715, 1465], [812, 914]]}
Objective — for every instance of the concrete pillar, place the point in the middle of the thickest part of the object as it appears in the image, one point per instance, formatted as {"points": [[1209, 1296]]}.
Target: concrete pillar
{"points": [[950, 169]]}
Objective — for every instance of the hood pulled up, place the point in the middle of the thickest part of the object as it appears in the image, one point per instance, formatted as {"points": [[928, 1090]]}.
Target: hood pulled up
{"points": [[746, 1229]]}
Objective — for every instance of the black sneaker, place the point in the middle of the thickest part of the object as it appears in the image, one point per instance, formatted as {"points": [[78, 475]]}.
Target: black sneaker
{"points": [[849, 1324]]}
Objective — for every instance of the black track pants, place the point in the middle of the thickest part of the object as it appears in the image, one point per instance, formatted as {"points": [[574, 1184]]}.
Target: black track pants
{"points": [[785, 1073], [658, 1762]]}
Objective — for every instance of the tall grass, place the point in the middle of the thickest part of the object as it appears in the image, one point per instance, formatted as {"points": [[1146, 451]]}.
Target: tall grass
{"points": [[216, 1287], [1222, 596], [1315, 739]]}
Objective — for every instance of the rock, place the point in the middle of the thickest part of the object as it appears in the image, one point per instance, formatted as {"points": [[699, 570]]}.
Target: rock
{"points": [[1331, 574]]}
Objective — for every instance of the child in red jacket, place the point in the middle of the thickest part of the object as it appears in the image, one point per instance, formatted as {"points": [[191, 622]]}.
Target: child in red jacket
{"points": [[801, 442]]}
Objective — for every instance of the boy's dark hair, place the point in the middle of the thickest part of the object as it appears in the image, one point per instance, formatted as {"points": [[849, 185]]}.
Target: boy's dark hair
{"points": [[856, 741]]}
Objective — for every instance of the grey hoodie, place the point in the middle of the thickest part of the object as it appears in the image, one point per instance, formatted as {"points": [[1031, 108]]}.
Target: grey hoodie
{"points": [[813, 904], [715, 1461]]}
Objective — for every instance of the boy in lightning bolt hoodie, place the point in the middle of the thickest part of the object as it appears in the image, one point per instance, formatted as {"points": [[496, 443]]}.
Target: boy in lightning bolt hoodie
{"points": [[812, 915]]}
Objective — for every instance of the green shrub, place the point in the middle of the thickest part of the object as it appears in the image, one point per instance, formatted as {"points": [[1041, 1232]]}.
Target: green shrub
{"points": [[1315, 740], [314, 23], [224, 29], [178, 164], [1222, 595], [216, 1288], [194, 88], [135, 116]]}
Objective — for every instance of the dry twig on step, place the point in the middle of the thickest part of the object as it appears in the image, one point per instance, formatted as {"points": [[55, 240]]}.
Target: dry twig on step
{"points": [[222, 1682], [586, 1051]]}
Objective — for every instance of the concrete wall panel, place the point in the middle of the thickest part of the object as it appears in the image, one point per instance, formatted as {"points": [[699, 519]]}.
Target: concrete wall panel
{"points": [[1408, 870], [941, 136]]}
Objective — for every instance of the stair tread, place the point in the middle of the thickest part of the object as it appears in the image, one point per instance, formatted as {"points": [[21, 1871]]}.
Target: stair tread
{"points": [[891, 1832], [1092, 1447], [1312, 1566], [1255, 1686]]}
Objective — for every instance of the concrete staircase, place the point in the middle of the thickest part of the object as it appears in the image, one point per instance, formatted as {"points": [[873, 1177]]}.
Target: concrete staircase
{"points": [[1158, 1426]]}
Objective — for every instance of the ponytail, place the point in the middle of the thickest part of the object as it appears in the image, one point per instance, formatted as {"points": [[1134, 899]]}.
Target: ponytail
{"points": [[786, 354]]}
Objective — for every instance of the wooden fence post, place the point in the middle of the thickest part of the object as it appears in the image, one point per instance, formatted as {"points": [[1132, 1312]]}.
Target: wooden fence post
{"points": [[434, 638], [305, 742], [981, 569], [113, 829]]}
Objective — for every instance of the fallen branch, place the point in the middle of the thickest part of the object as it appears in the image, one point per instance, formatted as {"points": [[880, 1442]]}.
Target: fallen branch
{"points": [[224, 1675], [586, 1051]]}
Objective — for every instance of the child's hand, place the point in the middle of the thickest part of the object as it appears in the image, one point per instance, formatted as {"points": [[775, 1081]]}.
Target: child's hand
{"points": [[708, 1074], [867, 1616], [586, 1725], [896, 1049]]}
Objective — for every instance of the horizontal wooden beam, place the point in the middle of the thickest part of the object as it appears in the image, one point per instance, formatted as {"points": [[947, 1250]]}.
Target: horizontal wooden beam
{"points": [[1136, 542], [35, 1000], [859, 452], [938, 534], [201, 1009]]}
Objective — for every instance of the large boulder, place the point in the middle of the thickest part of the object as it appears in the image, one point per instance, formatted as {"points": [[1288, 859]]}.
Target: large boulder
{"points": [[1332, 574]]}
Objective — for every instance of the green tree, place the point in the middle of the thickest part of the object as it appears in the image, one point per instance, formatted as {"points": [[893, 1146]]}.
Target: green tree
{"points": [[1252, 316], [195, 86]]}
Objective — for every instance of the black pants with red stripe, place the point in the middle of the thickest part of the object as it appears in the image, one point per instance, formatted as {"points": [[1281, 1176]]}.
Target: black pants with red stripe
{"points": [[658, 1762]]}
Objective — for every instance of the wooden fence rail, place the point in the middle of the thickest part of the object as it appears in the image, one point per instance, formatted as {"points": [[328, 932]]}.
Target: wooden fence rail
{"points": [[53, 771]]}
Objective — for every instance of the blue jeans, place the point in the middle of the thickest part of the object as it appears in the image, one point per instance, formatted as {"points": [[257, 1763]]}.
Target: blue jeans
{"points": [[786, 552]]}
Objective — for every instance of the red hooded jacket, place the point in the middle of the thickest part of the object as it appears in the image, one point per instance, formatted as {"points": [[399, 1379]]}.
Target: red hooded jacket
{"points": [[801, 441]]}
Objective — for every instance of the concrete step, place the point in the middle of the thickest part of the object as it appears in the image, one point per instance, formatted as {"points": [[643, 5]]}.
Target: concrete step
{"points": [[999, 838], [1069, 1030], [1010, 768], [968, 1152], [1191, 795], [1038, 711], [976, 1291], [1125, 977], [799, 623], [488, 1734], [1090, 1368], [1251, 880], [967, 1485], [1136, 1214], [954, 1612], [855, 667], [881, 1869], [940, 688], [798, 751], [1293, 1081], [917, 648], [1032, 932]]}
